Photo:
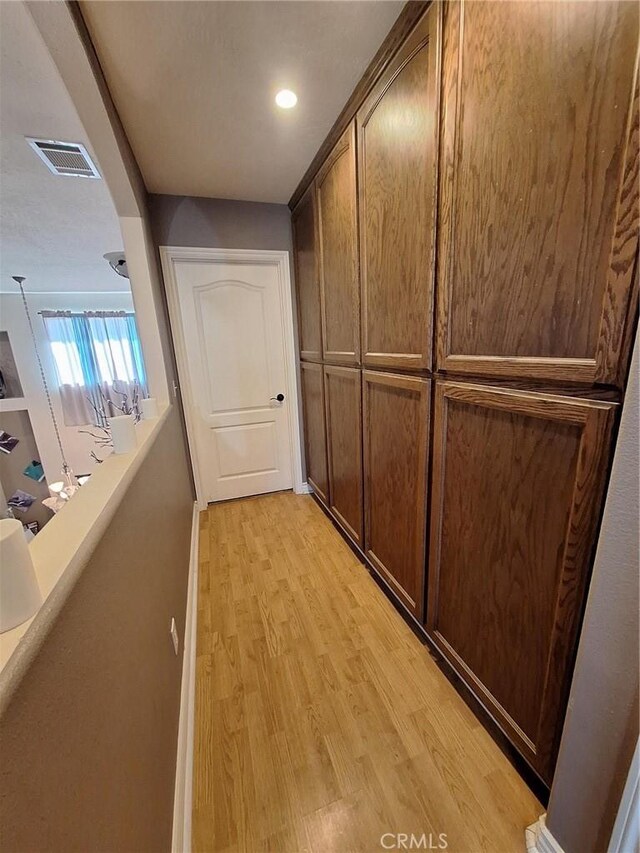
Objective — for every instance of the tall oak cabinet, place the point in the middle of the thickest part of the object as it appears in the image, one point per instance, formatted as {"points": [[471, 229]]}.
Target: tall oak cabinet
{"points": [[466, 268]]}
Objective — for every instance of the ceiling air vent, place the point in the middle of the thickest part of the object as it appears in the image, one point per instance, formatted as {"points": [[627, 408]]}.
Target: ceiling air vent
{"points": [[65, 158]]}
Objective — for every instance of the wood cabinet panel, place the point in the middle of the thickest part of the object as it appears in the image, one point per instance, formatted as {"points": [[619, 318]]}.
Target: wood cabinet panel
{"points": [[404, 24], [397, 160], [396, 434], [339, 274], [307, 268], [518, 479], [538, 212], [312, 380], [343, 397]]}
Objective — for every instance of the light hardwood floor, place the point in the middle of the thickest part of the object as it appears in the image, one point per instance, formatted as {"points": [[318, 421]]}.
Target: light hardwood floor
{"points": [[321, 720]]}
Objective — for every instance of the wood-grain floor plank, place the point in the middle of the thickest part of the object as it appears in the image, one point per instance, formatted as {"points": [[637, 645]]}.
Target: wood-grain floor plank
{"points": [[322, 722]]}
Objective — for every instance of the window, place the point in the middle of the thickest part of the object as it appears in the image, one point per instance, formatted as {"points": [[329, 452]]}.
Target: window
{"points": [[98, 361]]}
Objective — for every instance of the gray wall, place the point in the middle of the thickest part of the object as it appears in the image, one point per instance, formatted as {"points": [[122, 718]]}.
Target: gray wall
{"points": [[216, 223], [219, 223], [88, 741], [601, 727]]}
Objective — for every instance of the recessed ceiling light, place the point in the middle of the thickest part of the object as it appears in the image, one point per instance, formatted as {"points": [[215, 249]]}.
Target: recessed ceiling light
{"points": [[286, 99]]}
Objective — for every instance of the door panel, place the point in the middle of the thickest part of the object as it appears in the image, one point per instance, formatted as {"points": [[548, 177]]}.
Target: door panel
{"points": [[343, 399], [233, 332], [245, 449], [303, 221], [396, 433], [538, 212], [337, 228], [397, 157], [518, 479], [312, 379], [230, 329]]}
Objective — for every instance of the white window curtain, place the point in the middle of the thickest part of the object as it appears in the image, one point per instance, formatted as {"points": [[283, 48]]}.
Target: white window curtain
{"points": [[98, 359]]}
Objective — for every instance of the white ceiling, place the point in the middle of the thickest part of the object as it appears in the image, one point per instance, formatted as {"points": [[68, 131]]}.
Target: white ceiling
{"points": [[53, 229], [194, 85]]}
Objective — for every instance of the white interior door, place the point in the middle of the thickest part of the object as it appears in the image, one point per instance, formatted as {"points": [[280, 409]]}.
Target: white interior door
{"points": [[233, 317]]}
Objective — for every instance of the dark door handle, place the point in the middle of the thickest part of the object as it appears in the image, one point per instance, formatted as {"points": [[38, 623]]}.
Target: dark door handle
{"points": [[279, 398]]}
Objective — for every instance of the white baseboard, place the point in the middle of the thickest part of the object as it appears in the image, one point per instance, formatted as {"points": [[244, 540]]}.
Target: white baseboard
{"points": [[183, 796], [538, 838], [305, 489]]}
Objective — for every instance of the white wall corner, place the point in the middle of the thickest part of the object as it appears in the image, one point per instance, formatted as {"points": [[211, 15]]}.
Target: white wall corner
{"points": [[538, 839], [183, 795], [149, 319], [304, 489]]}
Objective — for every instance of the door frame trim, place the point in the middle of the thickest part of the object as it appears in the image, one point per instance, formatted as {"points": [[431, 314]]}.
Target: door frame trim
{"points": [[280, 260]]}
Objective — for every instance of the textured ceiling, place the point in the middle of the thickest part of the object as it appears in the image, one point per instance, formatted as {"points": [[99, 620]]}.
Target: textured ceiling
{"points": [[54, 230], [194, 85]]}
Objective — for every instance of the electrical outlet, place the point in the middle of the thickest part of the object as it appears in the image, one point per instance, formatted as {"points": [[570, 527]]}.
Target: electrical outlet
{"points": [[174, 635]]}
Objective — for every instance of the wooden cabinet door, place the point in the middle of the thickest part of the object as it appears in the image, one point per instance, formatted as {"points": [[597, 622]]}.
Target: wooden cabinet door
{"points": [[538, 212], [343, 396], [517, 484], [396, 434], [337, 228], [397, 159], [307, 269], [315, 445]]}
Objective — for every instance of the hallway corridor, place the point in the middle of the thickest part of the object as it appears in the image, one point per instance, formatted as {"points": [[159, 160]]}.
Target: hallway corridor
{"points": [[322, 723]]}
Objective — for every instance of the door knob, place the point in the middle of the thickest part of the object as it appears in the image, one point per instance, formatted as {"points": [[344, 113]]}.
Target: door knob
{"points": [[278, 397]]}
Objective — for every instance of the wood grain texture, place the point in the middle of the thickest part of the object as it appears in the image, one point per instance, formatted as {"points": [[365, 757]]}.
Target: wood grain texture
{"points": [[538, 217], [315, 443], [397, 161], [396, 436], [411, 13], [338, 240], [631, 329], [621, 292], [321, 721], [518, 480], [307, 270], [343, 402]]}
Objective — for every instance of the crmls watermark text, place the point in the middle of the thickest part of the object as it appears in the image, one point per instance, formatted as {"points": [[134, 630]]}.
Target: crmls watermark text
{"points": [[404, 841]]}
